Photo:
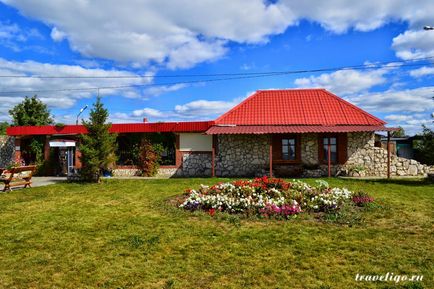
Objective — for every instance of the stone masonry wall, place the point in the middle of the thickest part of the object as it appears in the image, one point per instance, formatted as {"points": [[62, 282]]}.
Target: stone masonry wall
{"points": [[242, 155], [7, 150], [364, 159], [195, 165], [248, 155], [309, 148], [133, 172]]}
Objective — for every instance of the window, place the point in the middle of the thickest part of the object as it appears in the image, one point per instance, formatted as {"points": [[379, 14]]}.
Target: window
{"points": [[288, 149], [333, 149]]}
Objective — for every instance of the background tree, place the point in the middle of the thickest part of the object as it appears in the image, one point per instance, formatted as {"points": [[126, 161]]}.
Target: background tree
{"points": [[425, 146], [97, 147], [31, 111], [3, 126], [398, 133]]}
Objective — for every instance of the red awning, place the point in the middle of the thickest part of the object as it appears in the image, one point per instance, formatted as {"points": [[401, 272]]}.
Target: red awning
{"points": [[193, 126], [270, 129]]}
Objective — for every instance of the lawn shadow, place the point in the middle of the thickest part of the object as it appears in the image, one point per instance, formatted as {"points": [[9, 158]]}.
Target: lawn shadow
{"points": [[404, 182]]}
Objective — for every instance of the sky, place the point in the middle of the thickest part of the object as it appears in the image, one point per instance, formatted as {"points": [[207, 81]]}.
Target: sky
{"points": [[171, 60]]}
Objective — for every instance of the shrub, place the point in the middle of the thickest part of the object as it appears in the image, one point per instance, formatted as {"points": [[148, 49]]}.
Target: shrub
{"points": [[148, 158], [361, 199]]}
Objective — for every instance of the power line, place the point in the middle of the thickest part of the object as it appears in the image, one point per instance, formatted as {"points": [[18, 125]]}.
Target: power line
{"points": [[234, 77], [211, 74]]}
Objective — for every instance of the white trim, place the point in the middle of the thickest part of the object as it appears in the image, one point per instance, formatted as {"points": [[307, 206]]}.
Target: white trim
{"points": [[62, 143]]}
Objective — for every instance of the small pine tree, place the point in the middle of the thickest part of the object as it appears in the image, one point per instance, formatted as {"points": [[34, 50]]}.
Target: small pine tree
{"points": [[98, 146]]}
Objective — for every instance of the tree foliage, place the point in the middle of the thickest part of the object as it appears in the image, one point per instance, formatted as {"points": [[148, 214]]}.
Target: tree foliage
{"points": [[98, 146], [398, 133], [31, 111], [3, 126], [149, 157], [425, 146]]}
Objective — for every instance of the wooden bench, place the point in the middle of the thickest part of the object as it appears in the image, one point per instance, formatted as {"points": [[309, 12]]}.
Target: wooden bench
{"points": [[17, 176]]}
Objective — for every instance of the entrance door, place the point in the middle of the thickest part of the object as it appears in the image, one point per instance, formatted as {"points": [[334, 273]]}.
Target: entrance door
{"points": [[70, 160]]}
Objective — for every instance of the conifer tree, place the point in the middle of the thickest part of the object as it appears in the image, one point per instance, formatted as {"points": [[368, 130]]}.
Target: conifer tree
{"points": [[97, 147]]}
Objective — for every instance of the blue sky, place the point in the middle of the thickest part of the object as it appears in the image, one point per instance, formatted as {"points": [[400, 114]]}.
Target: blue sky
{"points": [[155, 38]]}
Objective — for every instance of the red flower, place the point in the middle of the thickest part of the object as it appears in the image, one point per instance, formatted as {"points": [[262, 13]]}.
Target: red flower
{"points": [[211, 212]]}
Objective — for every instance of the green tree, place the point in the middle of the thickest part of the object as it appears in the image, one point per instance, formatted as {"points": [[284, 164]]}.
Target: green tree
{"points": [[3, 126], [98, 145], [425, 146], [399, 133], [31, 111]]}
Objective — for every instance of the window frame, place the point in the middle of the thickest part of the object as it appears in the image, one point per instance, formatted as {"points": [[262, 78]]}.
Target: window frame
{"points": [[342, 147], [277, 142], [325, 152]]}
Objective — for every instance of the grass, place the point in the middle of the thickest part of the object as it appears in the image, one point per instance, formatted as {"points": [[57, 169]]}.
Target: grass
{"points": [[124, 234]]}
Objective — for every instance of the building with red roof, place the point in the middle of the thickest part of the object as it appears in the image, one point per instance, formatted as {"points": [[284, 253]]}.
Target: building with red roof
{"points": [[294, 132]]}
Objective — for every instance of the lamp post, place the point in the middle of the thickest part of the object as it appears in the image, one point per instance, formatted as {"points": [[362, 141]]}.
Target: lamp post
{"points": [[78, 115]]}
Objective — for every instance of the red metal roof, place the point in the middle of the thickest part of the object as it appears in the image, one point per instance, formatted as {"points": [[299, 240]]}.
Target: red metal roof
{"points": [[266, 111], [297, 107], [268, 129], [197, 126]]}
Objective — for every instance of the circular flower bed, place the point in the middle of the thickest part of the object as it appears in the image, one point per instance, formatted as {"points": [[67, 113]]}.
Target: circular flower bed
{"points": [[270, 197]]}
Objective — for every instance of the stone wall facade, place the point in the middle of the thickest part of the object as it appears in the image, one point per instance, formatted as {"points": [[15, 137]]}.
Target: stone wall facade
{"points": [[195, 165], [242, 155], [248, 156], [135, 172], [309, 149], [7, 151], [364, 159]]}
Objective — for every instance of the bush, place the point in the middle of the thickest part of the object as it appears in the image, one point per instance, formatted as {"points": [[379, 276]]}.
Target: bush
{"points": [[362, 199], [148, 158]]}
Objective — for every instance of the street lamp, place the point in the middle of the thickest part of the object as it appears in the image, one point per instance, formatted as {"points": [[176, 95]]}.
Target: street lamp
{"points": [[78, 115], [427, 27]]}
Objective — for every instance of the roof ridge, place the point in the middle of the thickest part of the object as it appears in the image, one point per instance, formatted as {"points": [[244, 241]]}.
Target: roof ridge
{"points": [[250, 97], [365, 113], [290, 89]]}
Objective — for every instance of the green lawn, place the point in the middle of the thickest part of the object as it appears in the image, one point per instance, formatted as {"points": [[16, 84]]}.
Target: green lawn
{"points": [[124, 234]]}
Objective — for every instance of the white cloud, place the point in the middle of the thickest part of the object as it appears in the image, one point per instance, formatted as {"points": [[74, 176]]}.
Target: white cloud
{"points": [[344, 82], [414, 44], [401, 101], [57, 35], [204, 107], [161, 89], [197, 110], [148, 112], [182, 33], [13, 36], [177, 33], [412, 123], [398, 117], [423, 71], [60, 99]]}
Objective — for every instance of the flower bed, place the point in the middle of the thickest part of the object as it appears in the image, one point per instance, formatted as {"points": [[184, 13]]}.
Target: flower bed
{"points": [[270, 197]]}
